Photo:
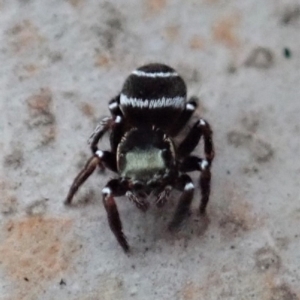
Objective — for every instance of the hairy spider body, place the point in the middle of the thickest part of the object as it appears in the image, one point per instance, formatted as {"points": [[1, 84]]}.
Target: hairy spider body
{"points": [[145, 117]]}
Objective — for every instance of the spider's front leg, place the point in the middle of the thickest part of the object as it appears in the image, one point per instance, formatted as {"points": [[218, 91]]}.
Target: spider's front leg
{"points": [[115, 188]]}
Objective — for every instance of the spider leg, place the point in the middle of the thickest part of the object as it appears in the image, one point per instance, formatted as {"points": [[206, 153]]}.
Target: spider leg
{"points": [[185, 185], [140, 203], [163, 196], [83, 175], [200, 128], [102, 127], [106, 124], [194, 163], [102, 159], [114, 106], [117, 126], [205, 179], [107, 160], [115, 188], [190, 108]]}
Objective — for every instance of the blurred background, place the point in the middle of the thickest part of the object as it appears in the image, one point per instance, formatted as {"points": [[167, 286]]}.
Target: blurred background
{"points": [[61, 62]]}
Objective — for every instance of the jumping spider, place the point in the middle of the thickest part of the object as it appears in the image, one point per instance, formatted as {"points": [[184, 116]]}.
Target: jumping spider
{"points": [[146, 116]]}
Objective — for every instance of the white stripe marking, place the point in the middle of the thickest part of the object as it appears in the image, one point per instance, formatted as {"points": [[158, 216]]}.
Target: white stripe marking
{"points": [[204, 164], [177, 102], [118, 119], [190, 106], [154, 74], [202, 122], [113, 105], [189, 186], [106, 191], [99, 153]]}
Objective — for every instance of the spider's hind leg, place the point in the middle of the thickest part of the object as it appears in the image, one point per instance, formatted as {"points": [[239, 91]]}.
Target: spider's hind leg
{"points": [[114, 106], [200, 128], [113, 124], [185, 116], [194, 163], [205, 179]]}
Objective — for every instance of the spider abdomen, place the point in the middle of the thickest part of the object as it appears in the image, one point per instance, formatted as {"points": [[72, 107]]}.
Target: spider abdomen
{"points": [[153, 95]]}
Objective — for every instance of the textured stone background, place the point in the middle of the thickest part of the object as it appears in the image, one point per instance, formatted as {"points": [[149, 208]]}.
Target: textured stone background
{"points": [[61, 61]]}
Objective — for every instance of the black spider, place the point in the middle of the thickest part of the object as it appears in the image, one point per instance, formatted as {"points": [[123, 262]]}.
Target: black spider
{"points": [[148, 113]]}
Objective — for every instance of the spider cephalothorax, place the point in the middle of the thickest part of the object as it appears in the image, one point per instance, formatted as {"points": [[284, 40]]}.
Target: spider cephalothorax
{"points": [[146, 116]]}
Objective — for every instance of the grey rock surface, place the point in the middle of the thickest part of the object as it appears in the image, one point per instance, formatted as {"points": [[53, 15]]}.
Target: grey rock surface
{"points": [[61, 62]]}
